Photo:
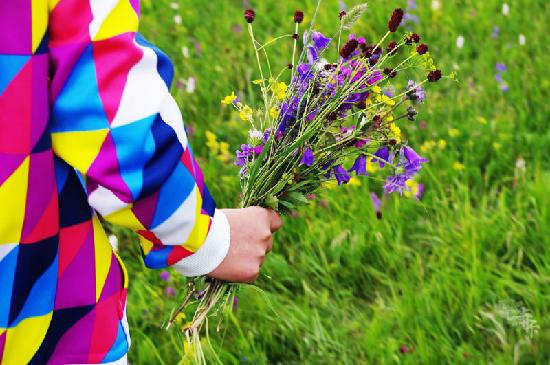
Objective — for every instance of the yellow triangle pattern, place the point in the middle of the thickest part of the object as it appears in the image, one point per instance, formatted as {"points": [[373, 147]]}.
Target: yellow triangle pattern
{"points": [[23, 341], [200, 230], [13, 197], [122, 19], [103, 251], [79, 149], [39, 22]]}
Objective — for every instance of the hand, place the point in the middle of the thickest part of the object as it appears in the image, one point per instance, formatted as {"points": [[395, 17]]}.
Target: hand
{"points": [[251, 239]]}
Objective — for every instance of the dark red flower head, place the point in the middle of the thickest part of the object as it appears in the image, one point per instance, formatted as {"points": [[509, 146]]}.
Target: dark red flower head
{"points": [[391, 48], [390, 72], [298, 16], [348, 48], [342, 14], [422, 49], [413, 38], [433, 76], [395, 19], [249, 15]]}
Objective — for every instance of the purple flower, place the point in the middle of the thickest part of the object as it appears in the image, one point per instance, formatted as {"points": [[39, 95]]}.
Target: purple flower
{"points": [[501, 67], [307, 157], [320, 41], [170, 291], [411, 5], [376, 76], [361, 142], [341, 174], [312, 56], [235, 303], [420, 191], [377, 204], [389, 91], [415, 92], [164, 276], [496, 31], [414, 161], [258, 149], [383, 155], [360, 166], [395, 183], [242, 155], [304, 70], [504, 87], [499, 79]]}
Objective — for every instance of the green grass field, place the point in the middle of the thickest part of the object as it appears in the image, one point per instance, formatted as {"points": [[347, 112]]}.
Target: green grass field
{"points": [[427, 283]]}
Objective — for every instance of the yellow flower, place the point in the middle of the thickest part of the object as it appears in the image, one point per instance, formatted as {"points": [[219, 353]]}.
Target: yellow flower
{"points": [[389, 118], [441, 144], [273, 112], [427, 146], [187, 347], [280, 89], [229, 99], [453, 132], [354, 181], [376, 89], [413, 189], [372, 167], [225, 155], [482, 120], [180, 317], [497, 146], [395, 132], [330, 184], [388, 101], [458, 166], [246, 113], [212, 142]]}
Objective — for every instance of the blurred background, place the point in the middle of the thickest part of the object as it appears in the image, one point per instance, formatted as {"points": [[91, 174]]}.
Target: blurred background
{"points": [[456, 274]]}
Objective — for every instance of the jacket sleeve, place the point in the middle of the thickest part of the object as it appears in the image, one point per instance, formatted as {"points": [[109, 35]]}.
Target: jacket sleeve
{"points": [[114, 120]]}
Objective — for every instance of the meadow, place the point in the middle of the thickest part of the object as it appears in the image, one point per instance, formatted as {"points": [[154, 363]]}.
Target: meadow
{"points": [[460, 276]]}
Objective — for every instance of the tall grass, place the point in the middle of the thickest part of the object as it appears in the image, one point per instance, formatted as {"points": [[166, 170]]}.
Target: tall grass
{"points": [[421, 285]]}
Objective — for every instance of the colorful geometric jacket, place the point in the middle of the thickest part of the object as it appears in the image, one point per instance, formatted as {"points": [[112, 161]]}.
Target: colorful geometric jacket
{"points": [[88, 128]]}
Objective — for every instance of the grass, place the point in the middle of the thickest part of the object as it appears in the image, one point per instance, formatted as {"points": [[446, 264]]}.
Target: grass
{"points": [[421, 285]]}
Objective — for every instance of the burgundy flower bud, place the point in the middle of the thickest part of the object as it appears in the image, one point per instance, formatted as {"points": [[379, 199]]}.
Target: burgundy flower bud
{"points": [[249, 15], [289, 66], [298, 16], [348, 48], [342, 14], [361, 105], [377, 50], [433, 76], [295, 36], [422, 49], [413, 38], [327, 67], [392, 142], [390, 72], [395, 19], [391, 47]]}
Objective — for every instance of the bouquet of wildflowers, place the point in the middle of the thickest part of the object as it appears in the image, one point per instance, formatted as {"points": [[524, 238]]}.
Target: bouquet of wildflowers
{"points": [[330, 121]]}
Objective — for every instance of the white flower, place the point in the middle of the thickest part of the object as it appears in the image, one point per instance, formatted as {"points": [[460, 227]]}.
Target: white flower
{"points": [[113, 240], [521, 40], [185, 52], [191, 85], [505, 9], [255, 134], [460, 41], [177, 19], [175, 6], [436, 5], [520, 164], [456, 66]]}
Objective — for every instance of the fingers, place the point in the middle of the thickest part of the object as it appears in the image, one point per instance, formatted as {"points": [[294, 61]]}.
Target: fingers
{"points": [[275, 220]]}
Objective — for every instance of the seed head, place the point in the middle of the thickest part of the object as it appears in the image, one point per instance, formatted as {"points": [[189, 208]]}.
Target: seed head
{"points": [[249, 15]]}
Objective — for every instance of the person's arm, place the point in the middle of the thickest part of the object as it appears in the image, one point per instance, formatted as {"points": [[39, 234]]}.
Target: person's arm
{"points": [[114, 120]]}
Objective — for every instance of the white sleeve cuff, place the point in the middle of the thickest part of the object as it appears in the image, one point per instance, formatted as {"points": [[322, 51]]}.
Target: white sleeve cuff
{"points": [[212, 252]]}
